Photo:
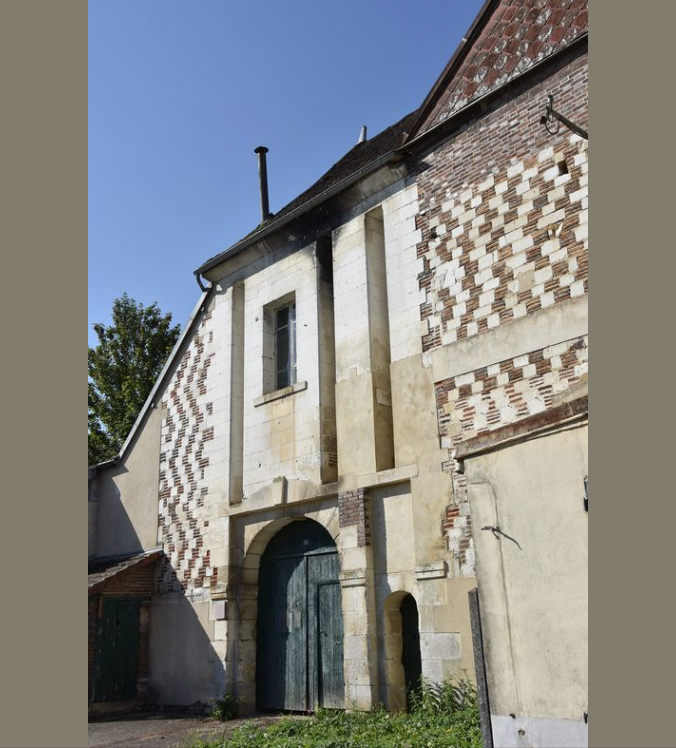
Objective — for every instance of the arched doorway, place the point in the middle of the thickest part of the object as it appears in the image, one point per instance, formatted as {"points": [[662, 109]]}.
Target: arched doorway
{"points": [[410, 646], [299, 662]]}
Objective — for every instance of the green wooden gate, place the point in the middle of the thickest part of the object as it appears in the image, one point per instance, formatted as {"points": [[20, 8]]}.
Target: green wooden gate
{"points": [[117, 639], [300, 622]]}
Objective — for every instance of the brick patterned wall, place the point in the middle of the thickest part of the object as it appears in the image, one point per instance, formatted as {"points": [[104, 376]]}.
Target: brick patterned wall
{"points": [[474, 403], [503, 219], [514, 244], [353, 509], [183, 488], [504, 231]]}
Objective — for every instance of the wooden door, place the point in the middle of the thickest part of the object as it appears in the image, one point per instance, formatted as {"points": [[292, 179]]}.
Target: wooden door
{"points": [[117, 638], [300, 622], [330, 680]]}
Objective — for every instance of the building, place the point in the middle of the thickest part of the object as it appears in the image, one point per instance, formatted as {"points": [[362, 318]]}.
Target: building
{"points": [[403, 340]]}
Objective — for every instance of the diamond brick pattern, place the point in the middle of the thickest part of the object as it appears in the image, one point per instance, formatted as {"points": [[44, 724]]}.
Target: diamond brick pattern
{"points": [[519, 34]]}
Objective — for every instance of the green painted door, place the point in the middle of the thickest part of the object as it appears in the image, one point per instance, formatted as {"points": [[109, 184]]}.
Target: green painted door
{"points": [[300, 622], [116, 664], [282, 652], [330, 681]]}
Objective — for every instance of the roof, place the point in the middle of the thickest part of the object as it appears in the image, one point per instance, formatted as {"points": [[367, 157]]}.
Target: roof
{"points": [[507, 38], [355, 160], [101, 571]]}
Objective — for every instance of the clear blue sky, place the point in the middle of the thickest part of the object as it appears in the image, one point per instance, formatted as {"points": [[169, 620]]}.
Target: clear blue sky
{"points": [[180, 93]]}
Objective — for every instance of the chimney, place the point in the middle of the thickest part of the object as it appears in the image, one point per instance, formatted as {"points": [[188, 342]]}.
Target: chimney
{"points": [[263, 176], [362, 135]]}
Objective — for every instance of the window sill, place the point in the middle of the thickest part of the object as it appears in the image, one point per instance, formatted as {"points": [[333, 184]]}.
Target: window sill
{"points": [[279, 394]]}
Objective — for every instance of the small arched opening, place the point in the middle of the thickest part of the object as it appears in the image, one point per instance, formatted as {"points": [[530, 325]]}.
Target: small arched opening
{"points": [[403, 664], [410, 647]]}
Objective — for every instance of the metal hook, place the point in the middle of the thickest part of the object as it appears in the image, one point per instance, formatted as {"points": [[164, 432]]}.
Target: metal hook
{"points": [[497, 532], [552, 115]]}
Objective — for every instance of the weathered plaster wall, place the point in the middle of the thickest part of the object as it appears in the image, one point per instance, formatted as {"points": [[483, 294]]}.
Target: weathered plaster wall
{"points": [[126, 496], [534, 597], [186, 666]]}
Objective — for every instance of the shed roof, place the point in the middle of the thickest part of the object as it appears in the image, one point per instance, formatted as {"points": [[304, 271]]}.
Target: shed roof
{"points": [[102, 571]]}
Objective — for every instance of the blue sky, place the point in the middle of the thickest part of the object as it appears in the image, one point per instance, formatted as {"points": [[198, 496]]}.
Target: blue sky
{"points": [[180, 93]]}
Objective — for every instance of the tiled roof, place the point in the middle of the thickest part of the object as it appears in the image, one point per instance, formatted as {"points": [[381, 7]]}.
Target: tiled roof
{"points": [[356, 158], [102, 571], [513, 37]]}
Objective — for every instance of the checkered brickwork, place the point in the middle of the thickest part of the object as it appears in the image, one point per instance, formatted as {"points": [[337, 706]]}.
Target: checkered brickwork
{"points": [[183, 487]]}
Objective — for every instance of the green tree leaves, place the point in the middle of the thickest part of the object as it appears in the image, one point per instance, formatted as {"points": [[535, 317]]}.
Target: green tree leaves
{"points": [[122, 369]]}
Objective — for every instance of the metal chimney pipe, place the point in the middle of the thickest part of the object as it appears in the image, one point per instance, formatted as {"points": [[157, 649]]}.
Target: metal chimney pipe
{"points": [[362, 135], [263, 176]]}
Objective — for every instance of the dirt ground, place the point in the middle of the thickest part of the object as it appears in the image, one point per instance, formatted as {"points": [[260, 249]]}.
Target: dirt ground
{"points": [[161, 731]]}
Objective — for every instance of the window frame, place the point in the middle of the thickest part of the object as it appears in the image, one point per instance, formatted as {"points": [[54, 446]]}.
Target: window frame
{"points": [[285, 373]]}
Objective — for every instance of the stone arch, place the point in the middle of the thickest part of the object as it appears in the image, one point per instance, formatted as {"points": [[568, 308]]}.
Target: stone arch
{"points": [[327, 518]]}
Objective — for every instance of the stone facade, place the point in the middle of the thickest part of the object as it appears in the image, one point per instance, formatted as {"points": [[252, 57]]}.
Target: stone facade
{"points": [[438, 297]]}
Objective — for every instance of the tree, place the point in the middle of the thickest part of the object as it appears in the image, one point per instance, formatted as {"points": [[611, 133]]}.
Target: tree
{"points": [[122, 370]]}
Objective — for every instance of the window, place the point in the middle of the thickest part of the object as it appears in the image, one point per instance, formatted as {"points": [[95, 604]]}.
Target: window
{"points": [[285, 346]]}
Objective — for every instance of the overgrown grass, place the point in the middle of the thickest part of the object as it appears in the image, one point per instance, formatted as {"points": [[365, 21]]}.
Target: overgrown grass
{"points": [[442, 716]]}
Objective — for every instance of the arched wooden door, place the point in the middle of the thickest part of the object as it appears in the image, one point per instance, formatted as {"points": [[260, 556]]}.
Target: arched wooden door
{"points": [[299, 664]]}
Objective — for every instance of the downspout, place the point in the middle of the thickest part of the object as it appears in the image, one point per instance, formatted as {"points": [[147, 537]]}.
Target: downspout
{"points": [[198, 278]]}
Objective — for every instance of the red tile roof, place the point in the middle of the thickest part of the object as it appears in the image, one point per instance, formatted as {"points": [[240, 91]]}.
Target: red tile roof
{"points": [[508, 37]]}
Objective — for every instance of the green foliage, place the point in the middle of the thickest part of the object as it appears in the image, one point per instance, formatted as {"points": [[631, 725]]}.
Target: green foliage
{"points": [[444, 716], [122, 370], [226, 708]]}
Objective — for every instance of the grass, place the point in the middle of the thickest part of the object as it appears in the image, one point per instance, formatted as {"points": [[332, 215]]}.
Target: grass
{"points": [[442, 716]]}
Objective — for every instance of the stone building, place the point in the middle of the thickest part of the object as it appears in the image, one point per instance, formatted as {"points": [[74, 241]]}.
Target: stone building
{"points": [[311, 460]]}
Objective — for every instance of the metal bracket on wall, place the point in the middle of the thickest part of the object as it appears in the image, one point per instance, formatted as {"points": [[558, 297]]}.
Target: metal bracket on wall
{"points": [[551, 114], [497, 532], [586, 493]]}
